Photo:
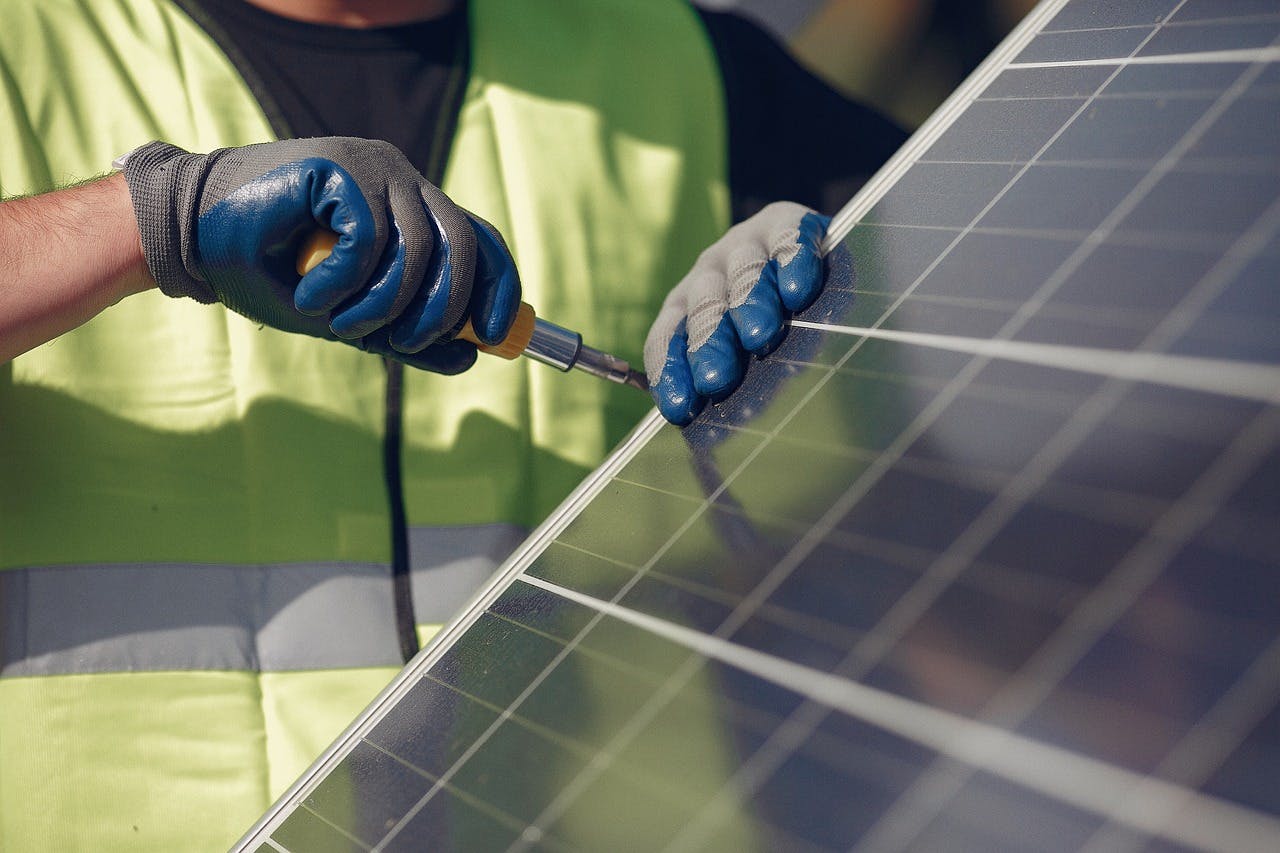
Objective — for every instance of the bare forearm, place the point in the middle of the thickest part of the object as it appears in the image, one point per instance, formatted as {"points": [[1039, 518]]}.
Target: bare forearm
{"points": [[64, 257]]}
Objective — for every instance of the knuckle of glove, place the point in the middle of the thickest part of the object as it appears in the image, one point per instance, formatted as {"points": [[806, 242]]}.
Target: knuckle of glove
{"points": [[673, 390], [405, 273], [440, 304]]}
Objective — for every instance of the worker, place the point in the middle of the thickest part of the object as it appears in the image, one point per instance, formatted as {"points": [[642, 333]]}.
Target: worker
{"points": [[237, 501]]}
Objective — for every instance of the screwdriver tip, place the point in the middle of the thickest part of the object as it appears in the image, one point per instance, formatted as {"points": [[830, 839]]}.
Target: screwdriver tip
{"points": [[636, 379]]}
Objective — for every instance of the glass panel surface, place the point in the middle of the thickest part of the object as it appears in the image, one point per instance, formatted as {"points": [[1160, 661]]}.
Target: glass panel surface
{"points": [[911, 588]]}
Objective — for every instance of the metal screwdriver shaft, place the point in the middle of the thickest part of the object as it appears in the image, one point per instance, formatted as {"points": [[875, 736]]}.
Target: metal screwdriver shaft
{"points": [[563, 349]]}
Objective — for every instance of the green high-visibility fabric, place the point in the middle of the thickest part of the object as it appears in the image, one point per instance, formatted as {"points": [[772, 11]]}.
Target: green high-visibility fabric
{"points": [[161, 761], [166, 431], [606, 182]]}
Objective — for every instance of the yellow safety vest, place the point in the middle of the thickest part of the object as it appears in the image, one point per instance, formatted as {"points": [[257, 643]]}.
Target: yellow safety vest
{"points": [[194, 533]]}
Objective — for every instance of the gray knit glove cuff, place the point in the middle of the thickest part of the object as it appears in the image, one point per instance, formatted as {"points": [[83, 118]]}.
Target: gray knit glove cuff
{"points": [[164, 183]]}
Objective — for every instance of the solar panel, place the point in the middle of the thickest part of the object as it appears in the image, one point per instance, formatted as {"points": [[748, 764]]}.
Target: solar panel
{"points": [[987, 556]]}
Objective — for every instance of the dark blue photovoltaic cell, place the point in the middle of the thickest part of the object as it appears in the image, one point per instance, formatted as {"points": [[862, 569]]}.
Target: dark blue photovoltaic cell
{"points": [[1003, 130], [941, 194], [1217, 35], [1096, 14], [1029, 539], [1068, 45], [1194, 10]]}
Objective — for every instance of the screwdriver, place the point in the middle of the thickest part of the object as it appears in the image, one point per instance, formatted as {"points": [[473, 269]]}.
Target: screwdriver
{"points": [[530, 335]]}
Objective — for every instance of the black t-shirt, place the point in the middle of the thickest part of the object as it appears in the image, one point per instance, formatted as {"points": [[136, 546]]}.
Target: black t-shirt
{"points": [[790, 136]]}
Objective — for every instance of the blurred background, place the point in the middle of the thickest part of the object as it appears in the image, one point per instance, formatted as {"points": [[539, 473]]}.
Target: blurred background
{"points": [[902, 56]]}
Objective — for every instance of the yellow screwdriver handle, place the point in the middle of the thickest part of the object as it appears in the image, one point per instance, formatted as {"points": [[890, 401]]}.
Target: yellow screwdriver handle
{"points": [[318, 246]]}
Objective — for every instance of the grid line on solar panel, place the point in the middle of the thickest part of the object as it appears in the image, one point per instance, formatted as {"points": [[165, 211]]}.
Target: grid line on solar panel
{"points": [[534, 683], [1210, 742], [335, 827], [657, 787], [1126, 204], [1103, 606], [1128, 509], [478, 804], [1142, 81], [1259, 166], [905, 459], [1246, 380], [902, 381], [1129, 237], [928, 133], [1262, 17], [1079, 780], [1017, 584], [640, 720], [1204, 164], [1202, 123], [1121, 317], [804, 623], [444, 778], [1241, 56], [764, 722]]}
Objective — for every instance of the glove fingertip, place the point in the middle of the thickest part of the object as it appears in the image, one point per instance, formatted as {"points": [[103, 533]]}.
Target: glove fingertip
{"points": [[675, 401], [759, 319], [716, 366], [800, 281], [673, 388]]}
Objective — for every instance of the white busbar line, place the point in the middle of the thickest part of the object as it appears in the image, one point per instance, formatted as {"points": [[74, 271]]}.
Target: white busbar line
{"points": [[1244, 379], [1242, 55], [1187, 816]]}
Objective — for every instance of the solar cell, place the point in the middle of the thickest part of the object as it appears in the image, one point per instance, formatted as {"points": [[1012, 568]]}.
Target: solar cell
{"points": [[984, 557]]}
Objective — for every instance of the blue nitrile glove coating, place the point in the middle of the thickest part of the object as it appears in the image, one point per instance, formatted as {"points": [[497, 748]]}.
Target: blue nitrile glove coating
{"points": [[735, 301], [427, 316], [673, 389], [756, 319], [401, 280], [800, 280], [717, 365], [495, 298]]}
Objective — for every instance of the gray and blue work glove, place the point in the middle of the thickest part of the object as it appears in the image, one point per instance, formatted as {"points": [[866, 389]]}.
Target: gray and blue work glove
{"points": [[409, 269], [733, 303]]}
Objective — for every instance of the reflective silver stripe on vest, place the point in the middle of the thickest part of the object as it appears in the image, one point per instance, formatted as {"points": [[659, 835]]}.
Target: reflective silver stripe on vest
{"points": [[57, 620], [462, 559]]}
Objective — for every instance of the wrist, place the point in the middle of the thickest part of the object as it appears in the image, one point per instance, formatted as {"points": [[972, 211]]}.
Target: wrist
{"points": [[124, 251], [69, 255]]}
